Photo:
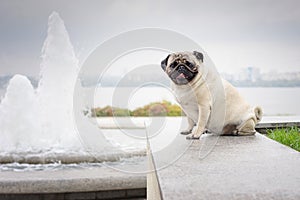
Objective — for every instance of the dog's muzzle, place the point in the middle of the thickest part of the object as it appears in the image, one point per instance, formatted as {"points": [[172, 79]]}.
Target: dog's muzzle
{"points": [[180, 66], [182, 72]]}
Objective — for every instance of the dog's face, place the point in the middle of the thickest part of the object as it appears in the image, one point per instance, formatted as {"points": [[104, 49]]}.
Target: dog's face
{"points": [[182, 67]]}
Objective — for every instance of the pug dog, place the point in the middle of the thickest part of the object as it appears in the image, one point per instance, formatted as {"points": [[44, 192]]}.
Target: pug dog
{"points": [[210, 103]]}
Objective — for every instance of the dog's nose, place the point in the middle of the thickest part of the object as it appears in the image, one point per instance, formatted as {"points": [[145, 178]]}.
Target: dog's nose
{"points": [[180, 67]]}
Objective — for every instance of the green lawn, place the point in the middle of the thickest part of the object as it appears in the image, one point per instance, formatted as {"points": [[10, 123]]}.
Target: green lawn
{"points": [[287, 136]]}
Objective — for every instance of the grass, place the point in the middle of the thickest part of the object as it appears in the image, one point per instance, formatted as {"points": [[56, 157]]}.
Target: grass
{"points": [[287, 136]]}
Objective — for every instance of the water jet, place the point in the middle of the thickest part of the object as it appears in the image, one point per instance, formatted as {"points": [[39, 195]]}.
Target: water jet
{"points": [[37, 124]]}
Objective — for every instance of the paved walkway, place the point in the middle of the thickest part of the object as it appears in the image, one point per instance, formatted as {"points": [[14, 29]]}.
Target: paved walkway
{"points": [[252, 167]]}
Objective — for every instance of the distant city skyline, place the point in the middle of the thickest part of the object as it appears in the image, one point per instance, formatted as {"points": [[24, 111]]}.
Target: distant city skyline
{"points": [[236, 34], [254, 74], [249, 76]]}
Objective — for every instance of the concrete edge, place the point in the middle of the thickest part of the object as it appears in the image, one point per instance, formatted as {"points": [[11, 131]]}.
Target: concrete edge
{"points": [[263, 127], [111, 194], [70, 185], [67, 159]]}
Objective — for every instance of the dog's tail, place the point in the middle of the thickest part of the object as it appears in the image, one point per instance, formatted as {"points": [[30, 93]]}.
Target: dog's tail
{"points": [[258, 113]]}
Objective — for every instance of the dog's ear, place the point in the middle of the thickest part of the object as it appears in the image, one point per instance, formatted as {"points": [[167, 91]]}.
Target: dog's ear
{"points": [[164, 63], [198, 55]]}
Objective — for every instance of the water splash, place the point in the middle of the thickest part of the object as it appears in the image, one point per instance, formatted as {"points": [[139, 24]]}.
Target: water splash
{"points": [[37, 126], [42, 119], [59, 69], [18, 116]]}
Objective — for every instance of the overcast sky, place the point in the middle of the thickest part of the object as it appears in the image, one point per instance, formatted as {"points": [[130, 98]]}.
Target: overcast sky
{"points": [[235, 34]]}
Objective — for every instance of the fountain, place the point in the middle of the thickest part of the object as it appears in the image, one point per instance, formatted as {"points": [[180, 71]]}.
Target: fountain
{"points": [[37, 125]]}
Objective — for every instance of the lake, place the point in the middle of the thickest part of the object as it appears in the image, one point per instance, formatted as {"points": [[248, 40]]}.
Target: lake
{"points": [[274, 101]]}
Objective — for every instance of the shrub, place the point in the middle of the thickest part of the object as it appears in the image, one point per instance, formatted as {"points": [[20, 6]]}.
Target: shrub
{"points": [[164, 108], [109, 111]]}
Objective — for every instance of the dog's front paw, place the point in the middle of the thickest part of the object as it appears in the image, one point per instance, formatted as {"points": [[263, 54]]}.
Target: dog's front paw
{"points": [[196, 134], [186, 132], [193, 137]]}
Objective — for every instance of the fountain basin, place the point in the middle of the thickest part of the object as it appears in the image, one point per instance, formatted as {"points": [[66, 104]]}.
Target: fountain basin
{"points": [[91, 183], [68, 158]]}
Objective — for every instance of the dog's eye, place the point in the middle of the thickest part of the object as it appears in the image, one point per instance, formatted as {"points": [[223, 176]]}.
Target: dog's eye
{"points": [[174, 64], [190, 65]]}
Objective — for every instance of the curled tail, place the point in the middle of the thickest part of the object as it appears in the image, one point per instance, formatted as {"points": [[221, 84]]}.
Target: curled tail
{"points": [[258, 113]]}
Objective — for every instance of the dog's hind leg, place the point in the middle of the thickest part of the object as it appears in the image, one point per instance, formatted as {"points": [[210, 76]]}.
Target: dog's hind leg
{"points": [[229, 129], [247, 128]]}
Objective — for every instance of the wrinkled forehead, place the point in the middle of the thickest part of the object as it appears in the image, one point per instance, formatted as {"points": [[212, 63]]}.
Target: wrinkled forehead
{"points": [[181, 56]]}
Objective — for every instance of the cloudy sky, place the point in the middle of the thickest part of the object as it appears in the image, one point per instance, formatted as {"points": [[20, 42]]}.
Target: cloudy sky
{"points": [[235, 33]]}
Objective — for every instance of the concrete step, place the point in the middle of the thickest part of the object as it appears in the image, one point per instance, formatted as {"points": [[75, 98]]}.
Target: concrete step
{"points": [[250, 167], [90, 183], [273, 122]]}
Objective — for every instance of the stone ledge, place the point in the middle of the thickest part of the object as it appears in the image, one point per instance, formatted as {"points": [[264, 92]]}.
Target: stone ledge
{"points": [[250, 167], [269, 122], [69, 181], [112, 194]]}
